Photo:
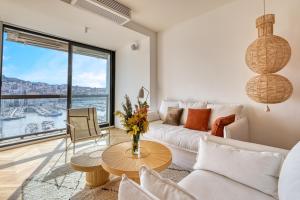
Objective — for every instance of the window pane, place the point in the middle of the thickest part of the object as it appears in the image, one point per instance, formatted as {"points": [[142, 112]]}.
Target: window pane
{"points": [[27, 116], [90, 81], [32, 65]]}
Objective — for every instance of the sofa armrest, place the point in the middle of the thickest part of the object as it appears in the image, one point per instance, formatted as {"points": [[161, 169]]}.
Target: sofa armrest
{"points": [[237, 130], [153, 116]]}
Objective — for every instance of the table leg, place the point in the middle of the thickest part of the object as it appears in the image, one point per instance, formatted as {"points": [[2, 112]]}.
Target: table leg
{"points": [[97, 177]]}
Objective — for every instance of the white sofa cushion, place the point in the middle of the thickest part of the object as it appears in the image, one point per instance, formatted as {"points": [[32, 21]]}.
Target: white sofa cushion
{"points": [[289, 179], [175, 136], [223, 110], [189, 104], [211, 186], [237, 130], [162, 188], [259, 170], [129, 189], [165, 104]]}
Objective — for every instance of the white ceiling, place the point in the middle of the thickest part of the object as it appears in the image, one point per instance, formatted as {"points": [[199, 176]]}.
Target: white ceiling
{"points": [[60, 19], [161, 14]]}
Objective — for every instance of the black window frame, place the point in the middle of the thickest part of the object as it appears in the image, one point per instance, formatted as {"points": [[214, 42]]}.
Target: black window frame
{"points": [[69, 80]]}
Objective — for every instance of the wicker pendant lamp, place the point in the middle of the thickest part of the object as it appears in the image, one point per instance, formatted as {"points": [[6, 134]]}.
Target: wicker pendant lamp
{"points": [[269, 88], [267, 55]]}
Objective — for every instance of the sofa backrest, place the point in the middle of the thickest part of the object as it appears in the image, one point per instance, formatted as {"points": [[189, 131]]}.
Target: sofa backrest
{"points": [[247, 145], [289, 178]]}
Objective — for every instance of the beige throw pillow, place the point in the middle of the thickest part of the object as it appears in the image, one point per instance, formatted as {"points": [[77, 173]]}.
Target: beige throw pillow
{"points": [[173, 116]]}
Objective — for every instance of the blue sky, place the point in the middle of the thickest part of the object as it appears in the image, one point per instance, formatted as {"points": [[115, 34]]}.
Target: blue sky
{"points": [[37, 64]]}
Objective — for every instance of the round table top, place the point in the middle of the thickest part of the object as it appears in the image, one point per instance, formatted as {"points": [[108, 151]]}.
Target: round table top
{"points": [[118, 159], [87, 160]]}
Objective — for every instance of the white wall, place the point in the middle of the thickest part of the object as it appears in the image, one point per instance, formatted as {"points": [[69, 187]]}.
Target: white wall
{"points": [[132, 72], [204, 58], [152, 59]]}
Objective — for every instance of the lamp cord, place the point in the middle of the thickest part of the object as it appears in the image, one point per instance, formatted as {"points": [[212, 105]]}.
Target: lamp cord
{"points": [[264, 7], [267, 109]]}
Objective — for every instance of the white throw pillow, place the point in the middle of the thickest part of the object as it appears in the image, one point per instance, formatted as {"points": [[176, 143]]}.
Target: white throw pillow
{"points": [[223, 110], [259, 170], [289, 179], [129, 189], [162, 188], [165, 104], [186, 105], [153, 116]]}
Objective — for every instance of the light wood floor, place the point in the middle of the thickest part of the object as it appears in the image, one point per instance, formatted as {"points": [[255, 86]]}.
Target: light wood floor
{"points": [[16, 165]]}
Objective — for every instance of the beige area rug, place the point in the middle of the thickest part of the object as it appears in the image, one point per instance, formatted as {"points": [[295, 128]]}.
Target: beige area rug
{"points": [[62, 182]]}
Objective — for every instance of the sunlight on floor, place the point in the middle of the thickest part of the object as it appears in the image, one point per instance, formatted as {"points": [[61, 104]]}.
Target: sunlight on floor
{"points": [[19, 164]]}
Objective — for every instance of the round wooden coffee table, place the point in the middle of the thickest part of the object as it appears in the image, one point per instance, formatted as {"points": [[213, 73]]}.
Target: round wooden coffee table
{"points": [[91, 163], [118, 160]]}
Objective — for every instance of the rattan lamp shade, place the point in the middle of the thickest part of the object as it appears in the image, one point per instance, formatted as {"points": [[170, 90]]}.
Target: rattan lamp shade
{"points": [[268, 53], [269, 88]]}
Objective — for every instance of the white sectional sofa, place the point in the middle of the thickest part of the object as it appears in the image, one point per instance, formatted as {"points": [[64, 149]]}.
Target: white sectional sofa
{"points": [[183, 142], [211, 185], [229, 169]]}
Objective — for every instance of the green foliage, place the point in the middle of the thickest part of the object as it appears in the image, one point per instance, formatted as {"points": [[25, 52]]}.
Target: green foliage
{"points": [[127, 107]]}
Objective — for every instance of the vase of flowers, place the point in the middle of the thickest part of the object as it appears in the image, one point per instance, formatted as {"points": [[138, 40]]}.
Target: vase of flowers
{"points": [[135, 149], [134, 121]]}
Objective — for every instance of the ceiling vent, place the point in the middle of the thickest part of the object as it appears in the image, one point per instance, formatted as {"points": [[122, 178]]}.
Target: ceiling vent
{"points": [[109, 9]]}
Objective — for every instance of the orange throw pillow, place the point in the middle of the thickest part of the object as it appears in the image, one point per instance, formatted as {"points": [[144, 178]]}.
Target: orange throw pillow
{"points": [[197, 119], [218, 126]]}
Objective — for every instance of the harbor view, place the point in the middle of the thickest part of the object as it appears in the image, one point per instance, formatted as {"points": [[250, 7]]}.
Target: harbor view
{"points": [[28, 116]]}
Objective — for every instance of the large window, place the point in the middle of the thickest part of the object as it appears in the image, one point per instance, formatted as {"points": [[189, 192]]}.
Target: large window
{"points": [[43, 76]]}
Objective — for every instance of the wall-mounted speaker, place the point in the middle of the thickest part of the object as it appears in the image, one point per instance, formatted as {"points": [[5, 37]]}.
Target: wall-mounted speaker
{"points": [[135, 46]]}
